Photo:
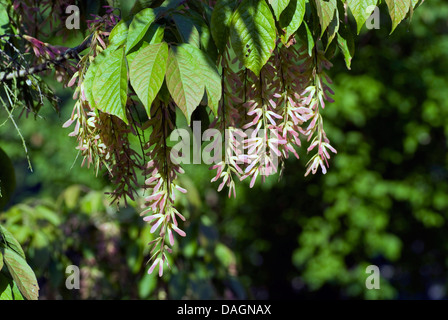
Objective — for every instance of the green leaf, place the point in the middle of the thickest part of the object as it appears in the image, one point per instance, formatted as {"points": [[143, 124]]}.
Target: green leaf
{"points": [[10, 242], [110, 85], [253, 34], [206, 39], [119, 34], [346, 44], [292, 17], [48, 215], [1, 260], [182, 81], [414, 4], [212, 81], [333, 29], [189, 72], [7, 178], [90, 76], [361, 10], [187, 30], [8, 289], [220, 22], [154, 35], [172, 4], [326, 11], [146, 286], [305, 32], [147, 72], [398, 10], [4, 18], [225, 255], [139, 25], [278, 6], [22, 274], [142, 4]]}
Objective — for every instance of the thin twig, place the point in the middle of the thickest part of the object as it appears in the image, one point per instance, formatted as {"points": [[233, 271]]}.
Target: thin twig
{"points": [[67, 55]]}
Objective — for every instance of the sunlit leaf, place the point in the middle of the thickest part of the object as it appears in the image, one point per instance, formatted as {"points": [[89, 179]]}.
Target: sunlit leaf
{"points": [[138, 27], [398, 10], [110, 85], [119, 34], [253, 34], [278, 6], [10, 242], [8, 289], [361, 10], [147, 72], [346, 44], [189, 72], [292, 17], [326, 11], [22, 274]]}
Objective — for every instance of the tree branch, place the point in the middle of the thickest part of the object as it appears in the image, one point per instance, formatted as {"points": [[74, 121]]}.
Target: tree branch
{"points": [[67, 55]]}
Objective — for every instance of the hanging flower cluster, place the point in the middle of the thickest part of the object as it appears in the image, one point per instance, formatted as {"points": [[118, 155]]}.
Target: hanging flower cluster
{"points": [[87, 128], [292, 77], [263, 140], [264, 118], [314, 96], [123, 160], [233, 97], [170, 56], [162, 172], [277, 106], [103, 139]]}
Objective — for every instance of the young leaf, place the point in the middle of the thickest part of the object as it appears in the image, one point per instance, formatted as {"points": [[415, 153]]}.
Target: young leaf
{"points": [[278, 6], [397, 10], [253, 34], [147, 72], [10, 242], [292, 17], [361, 10], [139, 25], [220, 22], [22, 274], [326, 12], [110, 85]]}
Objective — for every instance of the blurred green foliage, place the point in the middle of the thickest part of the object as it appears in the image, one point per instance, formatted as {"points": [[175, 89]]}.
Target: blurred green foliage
{"points": [[384, 200]]}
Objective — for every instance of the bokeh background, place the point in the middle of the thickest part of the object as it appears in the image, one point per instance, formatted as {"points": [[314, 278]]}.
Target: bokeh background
{"points": [[383, 202]]}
